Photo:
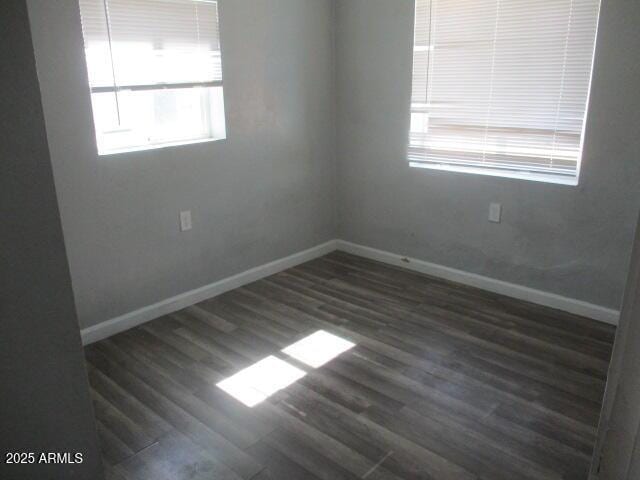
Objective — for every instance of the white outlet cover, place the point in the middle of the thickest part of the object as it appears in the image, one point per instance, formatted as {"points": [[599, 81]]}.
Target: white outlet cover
{"points": [[185, 221], [495, 212]]}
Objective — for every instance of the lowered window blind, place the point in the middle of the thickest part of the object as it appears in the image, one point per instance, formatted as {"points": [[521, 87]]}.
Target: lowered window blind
{"points": [[155, 71], [501, 86], [132, 43]]}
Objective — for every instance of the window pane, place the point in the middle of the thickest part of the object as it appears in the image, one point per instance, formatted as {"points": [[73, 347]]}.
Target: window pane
{"points": [[147, 118]]}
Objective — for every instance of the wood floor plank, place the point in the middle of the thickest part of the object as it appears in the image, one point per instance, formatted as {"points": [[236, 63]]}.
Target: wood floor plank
{"points": [[278, 466], [465, 447], [328, 447], [138, 413], [301, 453], [174, 457], [445, 382], [112, 448], [170, 388], [131, 434], [109, 361], [411, 460]]}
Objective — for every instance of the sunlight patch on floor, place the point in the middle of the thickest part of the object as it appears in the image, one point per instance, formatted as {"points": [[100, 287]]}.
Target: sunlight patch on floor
{"points": [[258, 382], [318, 348]]}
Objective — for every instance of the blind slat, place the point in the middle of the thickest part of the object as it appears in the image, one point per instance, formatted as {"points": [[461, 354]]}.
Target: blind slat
{"points": [[502, 84]]}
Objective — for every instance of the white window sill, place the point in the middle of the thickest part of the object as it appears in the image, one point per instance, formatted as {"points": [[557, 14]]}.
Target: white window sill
{"points": [[518, 175], [158, 146]]}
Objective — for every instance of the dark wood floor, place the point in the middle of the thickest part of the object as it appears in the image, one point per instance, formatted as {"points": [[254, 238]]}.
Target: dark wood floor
{"points": [[445, 382]]}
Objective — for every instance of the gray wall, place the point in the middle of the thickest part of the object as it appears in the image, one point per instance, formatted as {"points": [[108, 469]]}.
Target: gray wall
{"points": [[264, 193], [306, 82], [617, 452], [619, 423], [44, 396], [572, 241]]}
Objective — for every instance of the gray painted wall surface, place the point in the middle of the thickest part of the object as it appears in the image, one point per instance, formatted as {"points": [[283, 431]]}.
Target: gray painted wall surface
{"points": [[617, 452], [572, 241], [44, 396], [618, 424], [264, 193], [307, 81]]}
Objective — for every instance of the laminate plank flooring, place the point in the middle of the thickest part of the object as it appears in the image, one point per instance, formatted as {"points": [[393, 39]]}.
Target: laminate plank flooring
{"points": [[444, 382]]}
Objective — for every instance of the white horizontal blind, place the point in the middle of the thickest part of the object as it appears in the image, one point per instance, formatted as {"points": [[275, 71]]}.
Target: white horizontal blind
{"points": [[155, 72], [501, 85], [151, 42]]}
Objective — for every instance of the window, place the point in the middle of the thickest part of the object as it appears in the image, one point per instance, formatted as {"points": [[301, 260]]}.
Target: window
{"points": [[500, 87], [155, 72]]}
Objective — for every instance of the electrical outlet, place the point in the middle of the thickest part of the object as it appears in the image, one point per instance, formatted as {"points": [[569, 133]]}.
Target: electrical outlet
{"points": [[495, 212], [185, 221]]}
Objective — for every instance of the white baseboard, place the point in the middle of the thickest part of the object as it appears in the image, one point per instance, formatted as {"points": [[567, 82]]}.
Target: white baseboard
{"points": [[540, 297], [173, 304]]}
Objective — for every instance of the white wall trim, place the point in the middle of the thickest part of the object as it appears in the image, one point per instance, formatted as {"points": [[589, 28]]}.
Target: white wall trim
{"points": [[173, 304], [520, 292], [137, 317]]}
